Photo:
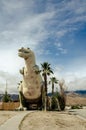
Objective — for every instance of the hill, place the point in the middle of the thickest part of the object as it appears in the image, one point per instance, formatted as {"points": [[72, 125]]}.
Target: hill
{"points": [[75, 99], [14, 97]]}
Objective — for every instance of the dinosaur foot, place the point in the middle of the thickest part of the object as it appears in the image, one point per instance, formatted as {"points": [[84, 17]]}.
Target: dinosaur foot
{"points": [[21, 108]]}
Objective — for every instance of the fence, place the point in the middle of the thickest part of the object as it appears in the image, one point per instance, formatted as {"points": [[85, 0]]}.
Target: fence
{"points": [[9, 105]]}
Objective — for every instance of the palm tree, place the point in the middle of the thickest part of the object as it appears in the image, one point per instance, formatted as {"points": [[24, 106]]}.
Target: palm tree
{"points": [[46, 70], [53, 80]]}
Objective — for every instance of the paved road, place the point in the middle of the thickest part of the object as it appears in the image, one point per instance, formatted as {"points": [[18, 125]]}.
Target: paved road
{"points": [[13, 123], [79, 112]]}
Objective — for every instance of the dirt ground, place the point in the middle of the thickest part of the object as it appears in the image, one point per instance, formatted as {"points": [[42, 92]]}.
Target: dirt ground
{"points": [[39, 120]]}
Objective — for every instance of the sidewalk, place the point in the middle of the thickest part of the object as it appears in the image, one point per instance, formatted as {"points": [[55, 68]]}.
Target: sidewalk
{"points": [[13, 123]]}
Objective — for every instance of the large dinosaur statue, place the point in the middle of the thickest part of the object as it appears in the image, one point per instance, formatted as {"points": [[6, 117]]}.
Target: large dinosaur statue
{"points": [[30, 88]]}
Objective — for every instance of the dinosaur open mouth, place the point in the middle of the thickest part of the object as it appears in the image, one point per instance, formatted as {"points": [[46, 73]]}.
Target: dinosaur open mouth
{"points": [[26, 51], [22, 51], [19, 53]]}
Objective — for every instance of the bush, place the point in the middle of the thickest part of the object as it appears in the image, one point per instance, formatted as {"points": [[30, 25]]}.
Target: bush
{"points": [[76, 107], [62, 102], [6, 97], [54, 103]]}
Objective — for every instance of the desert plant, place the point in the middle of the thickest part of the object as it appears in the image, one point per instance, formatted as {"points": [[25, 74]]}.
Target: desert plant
{"points": [[62, 95], [76, 107], [6, 97], [46, 70], [62, 102], [53, 80], [54, 105]]}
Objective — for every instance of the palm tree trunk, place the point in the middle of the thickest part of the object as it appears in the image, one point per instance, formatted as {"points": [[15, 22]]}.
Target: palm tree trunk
{"points": [[52, 88], [45, 80]]}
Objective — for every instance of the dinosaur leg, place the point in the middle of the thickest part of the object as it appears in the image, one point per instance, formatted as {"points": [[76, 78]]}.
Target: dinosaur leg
{"points": [[21, 98], [22, 103]]}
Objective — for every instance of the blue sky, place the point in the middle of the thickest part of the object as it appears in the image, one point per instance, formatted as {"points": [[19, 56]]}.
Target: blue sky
{"points": [[54, 29]]}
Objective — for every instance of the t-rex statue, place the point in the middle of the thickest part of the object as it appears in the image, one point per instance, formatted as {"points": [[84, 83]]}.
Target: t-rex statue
{"points": [[30, 88]]}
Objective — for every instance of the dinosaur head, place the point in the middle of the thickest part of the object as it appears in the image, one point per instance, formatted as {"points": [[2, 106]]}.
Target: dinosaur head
{"points": [[25, 53]]}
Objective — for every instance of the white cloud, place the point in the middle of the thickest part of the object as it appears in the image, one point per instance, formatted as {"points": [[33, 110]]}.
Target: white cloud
{"points": [[60, 48], [77, 84], [61, 32], [10, 62], [33, 28], [74, 74], [73, 80], [9, 80], [10, 5], [30, 30], [63, 51], [58, 44]]}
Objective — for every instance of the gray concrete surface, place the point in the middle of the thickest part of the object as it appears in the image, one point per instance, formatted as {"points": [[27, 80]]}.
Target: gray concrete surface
{"points": [[13, 123], [80, 112]]}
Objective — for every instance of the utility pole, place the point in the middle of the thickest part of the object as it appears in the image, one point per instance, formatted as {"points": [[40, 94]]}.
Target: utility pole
{"points": [[6, 87]]}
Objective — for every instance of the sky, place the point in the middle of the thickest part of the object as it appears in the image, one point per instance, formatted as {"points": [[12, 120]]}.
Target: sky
{"points": [[54, 29]]}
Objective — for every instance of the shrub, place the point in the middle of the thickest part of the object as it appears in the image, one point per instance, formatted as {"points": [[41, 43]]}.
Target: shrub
{"points": [[6, 97], [54, 103], [76, 107], [62, 102]]}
